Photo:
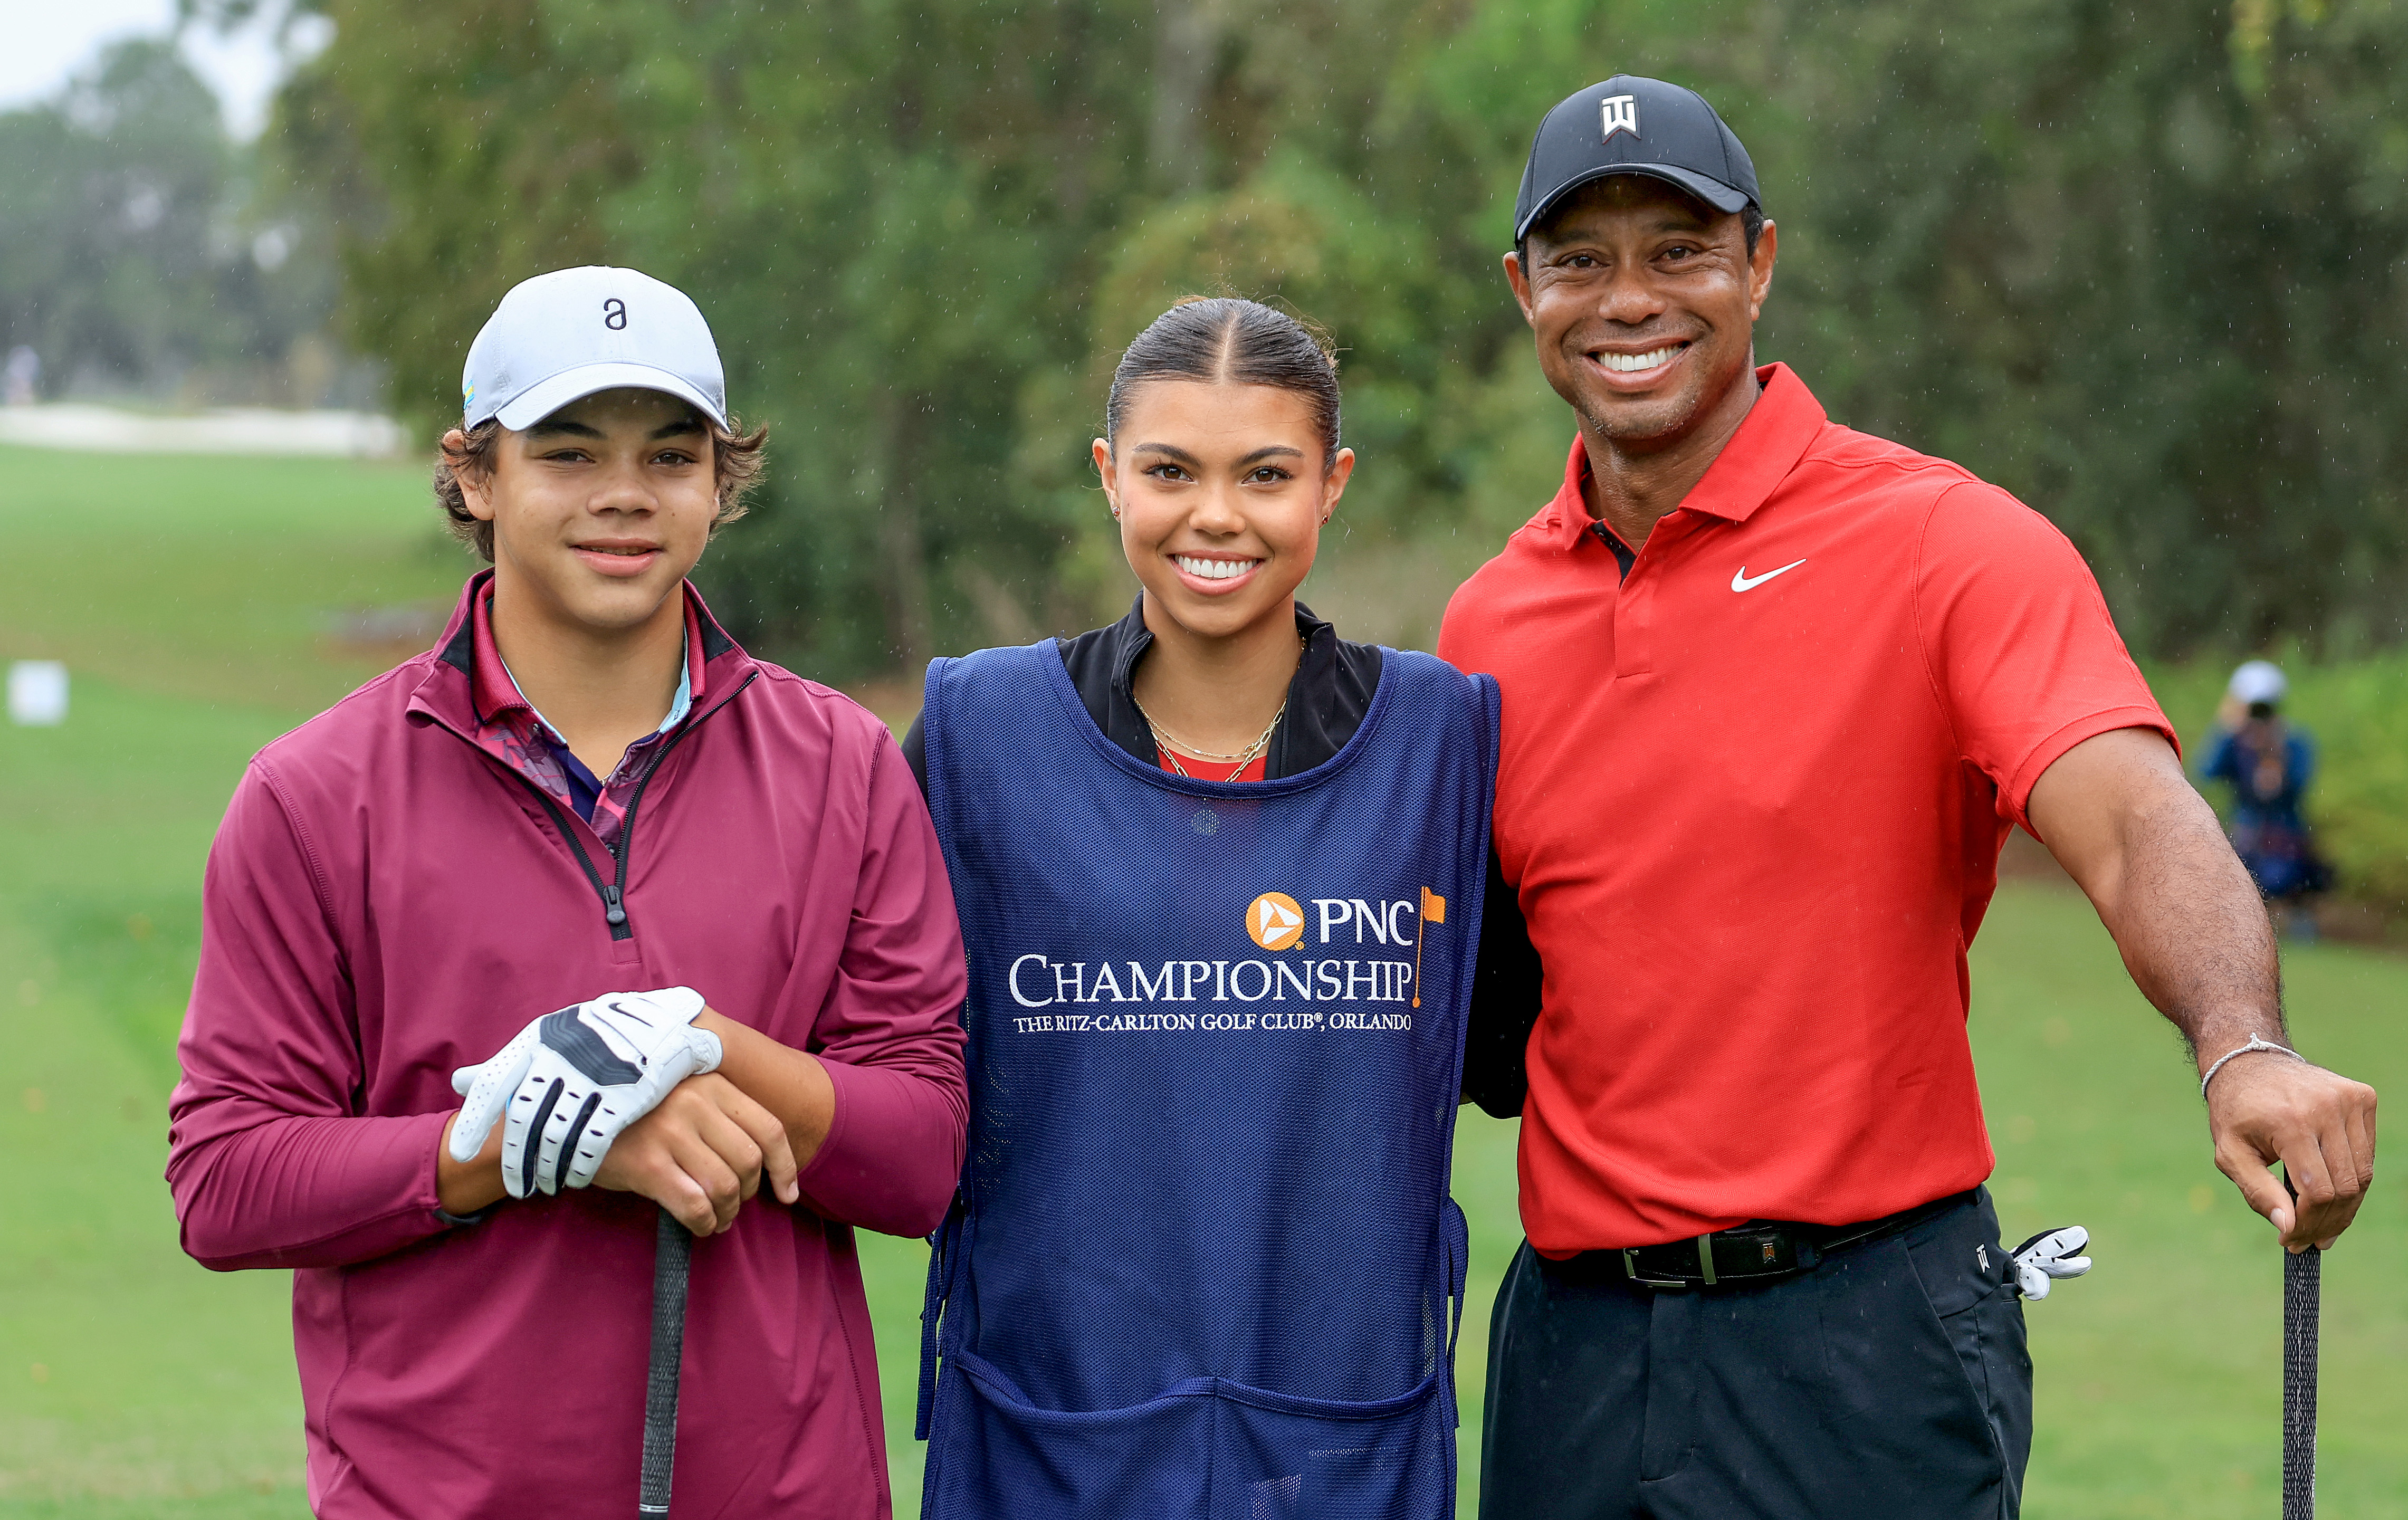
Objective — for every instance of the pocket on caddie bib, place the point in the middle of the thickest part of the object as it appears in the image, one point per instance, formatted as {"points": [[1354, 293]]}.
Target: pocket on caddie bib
{"points": [[1209, 1449]]}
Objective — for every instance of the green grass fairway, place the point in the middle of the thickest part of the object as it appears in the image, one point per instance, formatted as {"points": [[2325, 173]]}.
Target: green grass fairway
{"points": [[208, 576], [188, 596]]}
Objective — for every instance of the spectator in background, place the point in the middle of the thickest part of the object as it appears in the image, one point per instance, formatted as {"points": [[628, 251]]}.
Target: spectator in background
{"points": [[2268, 764]]}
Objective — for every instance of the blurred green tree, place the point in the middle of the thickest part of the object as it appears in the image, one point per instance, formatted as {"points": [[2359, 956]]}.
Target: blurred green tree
{"points": [[925, 230], [889, 211], [136, 250], [2141, 264]]}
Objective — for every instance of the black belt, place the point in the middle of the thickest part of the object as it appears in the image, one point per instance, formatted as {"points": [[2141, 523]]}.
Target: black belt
{"points": [[1761, 1248]]}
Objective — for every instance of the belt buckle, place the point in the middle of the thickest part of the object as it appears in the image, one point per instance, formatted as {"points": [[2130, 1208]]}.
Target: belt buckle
{"points": [[1631, 1269]]}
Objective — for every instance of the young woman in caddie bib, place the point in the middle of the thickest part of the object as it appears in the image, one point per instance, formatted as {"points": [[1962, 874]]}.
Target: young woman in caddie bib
{"points": [[1219, 873]]}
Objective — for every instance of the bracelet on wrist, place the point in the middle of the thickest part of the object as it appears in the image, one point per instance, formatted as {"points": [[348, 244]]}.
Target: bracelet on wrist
{"points": [[2255, 1043]]}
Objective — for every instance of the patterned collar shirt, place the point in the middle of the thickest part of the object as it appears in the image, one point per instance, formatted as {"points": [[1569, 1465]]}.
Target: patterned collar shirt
{"points": [[510, 729]]}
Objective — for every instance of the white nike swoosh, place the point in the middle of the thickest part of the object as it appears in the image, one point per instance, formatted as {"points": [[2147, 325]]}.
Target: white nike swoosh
{"points": [[1740, 581]]}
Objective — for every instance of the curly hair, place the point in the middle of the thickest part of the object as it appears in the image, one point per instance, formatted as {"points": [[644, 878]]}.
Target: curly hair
{"points": [[735, 457]]}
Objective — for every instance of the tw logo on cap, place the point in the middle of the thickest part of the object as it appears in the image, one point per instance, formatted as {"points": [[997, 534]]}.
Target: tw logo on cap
{"points": [[1621, 115]]}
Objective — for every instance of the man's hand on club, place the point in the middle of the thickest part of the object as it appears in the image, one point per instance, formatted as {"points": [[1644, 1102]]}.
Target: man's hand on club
{"points": [[2263, 1108], [701, 1153], [568, 1083], [2118, 813]]}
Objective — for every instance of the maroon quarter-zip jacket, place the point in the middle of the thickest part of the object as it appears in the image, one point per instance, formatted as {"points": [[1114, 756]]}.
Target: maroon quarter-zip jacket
{"points": [[386, 901]]}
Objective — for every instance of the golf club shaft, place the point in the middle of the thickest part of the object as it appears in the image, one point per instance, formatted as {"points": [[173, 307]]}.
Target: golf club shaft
{"points": [[2301, 1286], [672, 1254], [2302, 1307]]}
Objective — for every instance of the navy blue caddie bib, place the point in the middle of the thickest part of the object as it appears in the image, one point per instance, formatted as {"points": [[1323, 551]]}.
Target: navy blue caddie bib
{"points": [[1204, 1263]]}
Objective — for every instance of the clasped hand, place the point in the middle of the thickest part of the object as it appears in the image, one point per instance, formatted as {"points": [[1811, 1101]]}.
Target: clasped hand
{"points": [[619, 1091], [702, 1154]]}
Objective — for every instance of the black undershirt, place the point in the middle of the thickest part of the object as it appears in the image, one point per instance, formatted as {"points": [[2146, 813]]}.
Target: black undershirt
{"points": [[1326, 703], [1624, 554]]}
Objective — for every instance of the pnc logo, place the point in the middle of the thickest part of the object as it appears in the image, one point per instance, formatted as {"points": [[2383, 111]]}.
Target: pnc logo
{"points": [[1276, 921]]}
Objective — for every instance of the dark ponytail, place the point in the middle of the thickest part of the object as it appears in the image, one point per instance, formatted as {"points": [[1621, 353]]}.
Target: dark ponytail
{"points": [[1224, 341]]}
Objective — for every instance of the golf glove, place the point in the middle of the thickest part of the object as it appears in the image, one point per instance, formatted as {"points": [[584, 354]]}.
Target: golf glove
{"points": [[566, 1085], [2049, 1255]]}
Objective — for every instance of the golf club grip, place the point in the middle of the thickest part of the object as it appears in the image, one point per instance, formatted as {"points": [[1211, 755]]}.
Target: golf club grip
{"points": [[672, 1254], [2302, 1277]]}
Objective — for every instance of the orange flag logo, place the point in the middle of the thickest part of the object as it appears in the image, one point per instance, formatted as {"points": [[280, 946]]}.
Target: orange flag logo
{"points": [[1433, 912]]}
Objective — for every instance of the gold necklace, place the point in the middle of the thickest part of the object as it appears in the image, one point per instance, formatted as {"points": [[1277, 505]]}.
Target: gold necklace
{"points": [[1171, 744], [1247, 756]]}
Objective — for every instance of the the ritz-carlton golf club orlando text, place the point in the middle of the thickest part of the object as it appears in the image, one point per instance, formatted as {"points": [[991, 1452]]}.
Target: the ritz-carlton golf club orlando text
{"points": [[1069, 991]]}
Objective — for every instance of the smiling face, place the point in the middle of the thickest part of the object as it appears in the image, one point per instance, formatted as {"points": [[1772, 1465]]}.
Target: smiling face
{"points": [[1643, 302], [1221, 491], [600, 509]]}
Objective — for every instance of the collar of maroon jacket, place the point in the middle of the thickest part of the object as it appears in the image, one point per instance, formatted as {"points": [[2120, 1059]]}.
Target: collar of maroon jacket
{"points": [[446, 693]]}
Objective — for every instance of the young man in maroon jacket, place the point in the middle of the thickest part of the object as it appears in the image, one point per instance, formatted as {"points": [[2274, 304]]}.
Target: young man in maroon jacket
{"points": [[671, 918]]}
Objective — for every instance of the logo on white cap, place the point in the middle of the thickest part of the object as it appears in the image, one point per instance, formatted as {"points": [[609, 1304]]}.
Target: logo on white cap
{"points": [[1621, 115], [561, 337]]}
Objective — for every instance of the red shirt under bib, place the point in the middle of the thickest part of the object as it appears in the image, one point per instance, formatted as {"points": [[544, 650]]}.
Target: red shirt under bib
{"points": [[1752, 799], [1213, 771]]}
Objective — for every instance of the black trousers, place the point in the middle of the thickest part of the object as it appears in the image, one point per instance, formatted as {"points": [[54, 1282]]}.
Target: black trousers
{"points": [[1891, 1379]]}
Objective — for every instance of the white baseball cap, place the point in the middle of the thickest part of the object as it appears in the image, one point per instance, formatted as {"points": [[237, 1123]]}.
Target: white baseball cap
{"points": [[2259, 681], [561, 337]]}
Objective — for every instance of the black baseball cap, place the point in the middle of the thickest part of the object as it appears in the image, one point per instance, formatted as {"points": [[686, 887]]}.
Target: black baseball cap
{"points": [[1630, 125]]}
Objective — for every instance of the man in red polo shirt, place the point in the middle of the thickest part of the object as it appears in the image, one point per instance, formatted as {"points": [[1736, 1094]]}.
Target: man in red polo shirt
{"points": [[1774, 693]]}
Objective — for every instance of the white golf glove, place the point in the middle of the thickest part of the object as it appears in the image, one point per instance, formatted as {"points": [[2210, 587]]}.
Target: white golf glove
{"points": [[2048, 1256], [571, 1081]]}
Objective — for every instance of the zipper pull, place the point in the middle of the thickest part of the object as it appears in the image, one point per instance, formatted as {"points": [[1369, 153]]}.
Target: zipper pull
{"points": [[613, 913]]}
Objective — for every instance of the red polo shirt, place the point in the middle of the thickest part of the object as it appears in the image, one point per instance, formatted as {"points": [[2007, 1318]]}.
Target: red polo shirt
{"points": [[1752, 799]]}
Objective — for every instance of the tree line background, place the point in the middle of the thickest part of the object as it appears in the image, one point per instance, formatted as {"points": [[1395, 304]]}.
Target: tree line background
{"points": [[145, 255], [2145, 265]]}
